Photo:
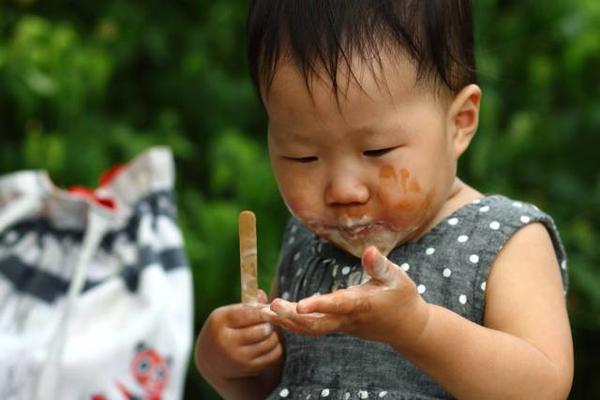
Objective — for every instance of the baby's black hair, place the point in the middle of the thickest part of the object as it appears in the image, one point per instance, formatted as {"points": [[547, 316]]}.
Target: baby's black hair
{"points": [[436, 34]]}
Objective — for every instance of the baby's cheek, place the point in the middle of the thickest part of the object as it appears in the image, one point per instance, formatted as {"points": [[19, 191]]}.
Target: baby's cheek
{"points": [[405, 205], [301, 206], [411, 212]]}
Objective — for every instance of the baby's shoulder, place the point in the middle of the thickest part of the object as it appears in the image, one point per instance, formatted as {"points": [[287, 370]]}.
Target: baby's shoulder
{"points": [[506, 209], [528, 278], [519, 228], [499, 217], [486, 230]]}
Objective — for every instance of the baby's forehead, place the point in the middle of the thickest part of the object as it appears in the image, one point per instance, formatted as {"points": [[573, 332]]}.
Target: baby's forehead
{"points": [[381, 72], [362, 84]]}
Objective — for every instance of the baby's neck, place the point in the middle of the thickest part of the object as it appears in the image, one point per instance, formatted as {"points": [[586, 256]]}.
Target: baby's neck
{"points": [[459, 195]]}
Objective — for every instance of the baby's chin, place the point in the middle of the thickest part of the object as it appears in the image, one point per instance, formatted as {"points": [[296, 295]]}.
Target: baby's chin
{"points": [[384, 241]]}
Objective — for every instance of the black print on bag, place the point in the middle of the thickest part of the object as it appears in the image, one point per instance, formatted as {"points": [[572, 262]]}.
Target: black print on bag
{"points": [[49, 285], [150, 372]]}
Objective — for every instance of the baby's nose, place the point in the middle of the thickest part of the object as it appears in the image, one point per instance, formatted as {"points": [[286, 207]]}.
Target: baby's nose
{"points": [[345, 189]]}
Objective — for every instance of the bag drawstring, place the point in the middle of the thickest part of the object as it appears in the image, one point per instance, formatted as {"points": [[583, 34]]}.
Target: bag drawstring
{"points": [[98, 224]]}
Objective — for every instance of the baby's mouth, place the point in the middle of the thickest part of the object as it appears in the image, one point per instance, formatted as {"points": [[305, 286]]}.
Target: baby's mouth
{"points": [[355, 236], [357, 231], [360, 231]]}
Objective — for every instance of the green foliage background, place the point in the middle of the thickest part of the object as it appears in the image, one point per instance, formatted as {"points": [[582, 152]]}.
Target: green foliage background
{"points": [[84, 85]]}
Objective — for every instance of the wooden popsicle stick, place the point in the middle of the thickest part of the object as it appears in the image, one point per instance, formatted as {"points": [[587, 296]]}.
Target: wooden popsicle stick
{"points": [[248, 257]]}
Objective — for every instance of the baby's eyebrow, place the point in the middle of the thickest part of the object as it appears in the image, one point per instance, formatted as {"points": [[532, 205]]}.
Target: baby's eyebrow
{"points": [[304, 137], [293, 136], [379, 129]]}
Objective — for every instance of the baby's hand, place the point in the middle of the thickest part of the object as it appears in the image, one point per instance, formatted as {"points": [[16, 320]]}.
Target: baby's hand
{"points": [[386, 308], [236, 341]]}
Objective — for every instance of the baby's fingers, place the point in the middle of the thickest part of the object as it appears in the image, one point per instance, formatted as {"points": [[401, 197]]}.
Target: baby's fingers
{"points": [[381, 269], [255, 334], [261, 348], [307, 324], [280, 320], [254, 358], [268, 358], [340, 302], [321, 324]]}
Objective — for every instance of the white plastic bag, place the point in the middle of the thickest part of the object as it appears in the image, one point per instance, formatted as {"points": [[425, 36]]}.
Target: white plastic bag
{"points": [[95, 287]]}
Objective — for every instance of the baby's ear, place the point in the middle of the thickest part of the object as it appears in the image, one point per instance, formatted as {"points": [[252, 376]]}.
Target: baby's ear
{"points": [[463, 117]]}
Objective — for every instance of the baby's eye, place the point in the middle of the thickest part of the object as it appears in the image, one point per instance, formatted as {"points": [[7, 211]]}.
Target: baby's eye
{"points": [[378, 152], [303, 160]]}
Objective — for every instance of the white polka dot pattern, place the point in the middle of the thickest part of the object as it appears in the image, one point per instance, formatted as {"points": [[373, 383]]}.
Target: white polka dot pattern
{"points": [[449, 267]]}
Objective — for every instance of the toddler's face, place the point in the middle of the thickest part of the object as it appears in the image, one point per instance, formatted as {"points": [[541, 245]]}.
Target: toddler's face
{"points": [[374, 170]]}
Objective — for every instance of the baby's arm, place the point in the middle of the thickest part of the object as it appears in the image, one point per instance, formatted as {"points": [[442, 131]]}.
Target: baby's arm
{"points": [[238, 353], [524, 351]]}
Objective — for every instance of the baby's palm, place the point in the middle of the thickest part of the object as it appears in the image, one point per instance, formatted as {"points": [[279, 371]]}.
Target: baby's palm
{"points": [[385, 307]]}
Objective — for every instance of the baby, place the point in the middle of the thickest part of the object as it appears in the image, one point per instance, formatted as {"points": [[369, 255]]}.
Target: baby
{"points": [[396, 280]]}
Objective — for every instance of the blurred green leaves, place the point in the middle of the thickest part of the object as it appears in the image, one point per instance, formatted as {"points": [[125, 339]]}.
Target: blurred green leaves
{"points": [[48, 61]]}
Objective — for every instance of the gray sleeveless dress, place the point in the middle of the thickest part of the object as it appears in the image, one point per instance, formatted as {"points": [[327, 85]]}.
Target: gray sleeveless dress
{"points": [[450, 265]]}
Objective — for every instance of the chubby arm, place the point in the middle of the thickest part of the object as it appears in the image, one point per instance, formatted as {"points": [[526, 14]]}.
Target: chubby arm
{"points": [[523, 351]]}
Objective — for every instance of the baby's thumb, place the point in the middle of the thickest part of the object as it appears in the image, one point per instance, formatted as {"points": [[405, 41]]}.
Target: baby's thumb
{"points": [[380, 268], [262, 297]]}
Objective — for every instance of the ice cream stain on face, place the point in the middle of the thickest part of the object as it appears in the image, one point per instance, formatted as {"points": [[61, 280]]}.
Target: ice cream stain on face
{"points": [[403, 203], [396, 212]]}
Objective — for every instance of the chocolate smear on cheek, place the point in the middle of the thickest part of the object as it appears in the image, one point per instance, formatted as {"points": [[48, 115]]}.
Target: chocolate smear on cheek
{"points": [[404, 204]]}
